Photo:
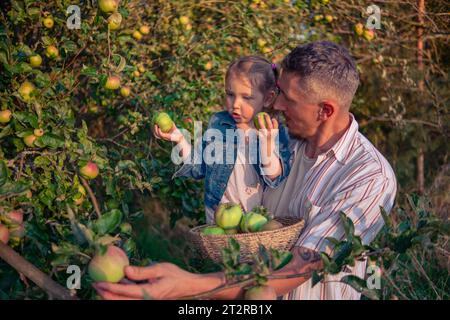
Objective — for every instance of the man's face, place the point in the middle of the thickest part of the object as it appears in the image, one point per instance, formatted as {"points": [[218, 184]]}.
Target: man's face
{"points": [[301, 113]]}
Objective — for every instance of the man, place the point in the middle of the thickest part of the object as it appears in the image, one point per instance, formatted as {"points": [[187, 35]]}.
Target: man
{"points": [[334, 169]]}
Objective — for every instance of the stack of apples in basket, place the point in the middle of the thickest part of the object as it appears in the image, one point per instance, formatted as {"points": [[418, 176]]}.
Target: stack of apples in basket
{"points": [[230, 219]]}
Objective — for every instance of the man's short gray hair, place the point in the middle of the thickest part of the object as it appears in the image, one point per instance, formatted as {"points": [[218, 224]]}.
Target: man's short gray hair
{"points": [[326, 69]]}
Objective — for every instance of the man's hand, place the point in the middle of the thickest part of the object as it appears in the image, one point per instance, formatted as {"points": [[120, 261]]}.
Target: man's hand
{"points": [[161, 281], [167, 281]]}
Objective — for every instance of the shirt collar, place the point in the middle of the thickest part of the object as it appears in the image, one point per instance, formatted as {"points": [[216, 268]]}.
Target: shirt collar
{"points": [[226, 119], [341, 148]]}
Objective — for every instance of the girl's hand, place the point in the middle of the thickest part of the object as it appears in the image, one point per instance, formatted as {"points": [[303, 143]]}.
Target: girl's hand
{"points": [[268, 133], [174, 135]]}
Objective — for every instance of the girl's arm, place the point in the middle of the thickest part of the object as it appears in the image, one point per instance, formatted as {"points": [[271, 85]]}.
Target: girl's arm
{"points": [[270, 162], [176, 136]]}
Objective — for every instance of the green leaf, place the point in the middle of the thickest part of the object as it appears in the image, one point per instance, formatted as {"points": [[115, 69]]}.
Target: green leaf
{"points": [[12, 188], [341, 252], [3, 173], [280, 259], [349, 228], [121, 65], [108, 222], [360, 285], [89, 71], [50, 140], [316, 278], [387, 219]]}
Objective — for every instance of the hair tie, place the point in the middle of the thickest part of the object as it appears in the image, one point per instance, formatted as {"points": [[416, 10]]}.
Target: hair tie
{"points": [[274, 66]]}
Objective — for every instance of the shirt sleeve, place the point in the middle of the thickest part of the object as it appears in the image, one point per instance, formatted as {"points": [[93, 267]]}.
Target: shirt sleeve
{"points": [[360, 202]]}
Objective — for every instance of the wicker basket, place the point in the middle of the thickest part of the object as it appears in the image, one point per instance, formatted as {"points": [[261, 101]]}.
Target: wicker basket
{"points": [[210, 246]]}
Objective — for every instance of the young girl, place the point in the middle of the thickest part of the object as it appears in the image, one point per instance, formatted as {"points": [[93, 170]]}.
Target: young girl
{"points": [[250, 84]]}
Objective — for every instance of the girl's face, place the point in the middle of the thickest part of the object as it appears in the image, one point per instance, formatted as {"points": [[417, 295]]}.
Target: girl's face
{"points": [[242, 101]]}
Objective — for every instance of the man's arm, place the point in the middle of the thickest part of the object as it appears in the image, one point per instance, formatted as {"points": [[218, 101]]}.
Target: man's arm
{"points": [[304, 260], [167, 281]]}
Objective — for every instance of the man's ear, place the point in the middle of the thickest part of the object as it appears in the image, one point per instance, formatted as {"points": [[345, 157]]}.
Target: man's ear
{"points": [[327, 109], [269, 99]]}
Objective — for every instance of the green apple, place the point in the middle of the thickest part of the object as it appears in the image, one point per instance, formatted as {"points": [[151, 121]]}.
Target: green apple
{"points": [[114, 21], [252, 222], [137, 35], [108, 6], [232, 231], [25, 90], [228, 215], [144, 29], [79, 197], [38, 132], [260, 293], [14, 217], [125, 91], [35, 60], [184, 20], [112, 83], [48, 22], [272, 225], [4, 234], [89, 171], [164, 122], [5, 116], [52, 52], [109, 266], [369, 34], [29, 140], [359, 29], [126, 228], [213, 230], [260, 115]]}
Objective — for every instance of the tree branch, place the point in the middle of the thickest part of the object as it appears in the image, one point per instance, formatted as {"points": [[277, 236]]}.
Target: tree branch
{"points": [[43, 281]]}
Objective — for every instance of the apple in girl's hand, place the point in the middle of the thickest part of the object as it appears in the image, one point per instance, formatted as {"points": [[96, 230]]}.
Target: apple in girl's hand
{"points": [[228, 215], [109, 266], [260, 115], [213, 230], [4, 234], [164, 122]]}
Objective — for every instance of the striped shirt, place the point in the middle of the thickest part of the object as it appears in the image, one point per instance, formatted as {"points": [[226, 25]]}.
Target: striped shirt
{"points": [[352, 177]]}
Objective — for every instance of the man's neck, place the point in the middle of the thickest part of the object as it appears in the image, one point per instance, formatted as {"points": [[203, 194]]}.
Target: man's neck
{"points": [[326, 137]]}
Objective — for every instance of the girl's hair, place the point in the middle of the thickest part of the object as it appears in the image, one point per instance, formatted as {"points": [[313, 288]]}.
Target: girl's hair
{"points": [[261, 72]]}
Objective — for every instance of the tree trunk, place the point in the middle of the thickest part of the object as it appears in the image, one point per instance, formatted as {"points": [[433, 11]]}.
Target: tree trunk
{"points": [[421, 153]]}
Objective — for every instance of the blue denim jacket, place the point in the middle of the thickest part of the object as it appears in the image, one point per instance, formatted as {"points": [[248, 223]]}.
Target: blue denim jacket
{"points": [[217, 175]]}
